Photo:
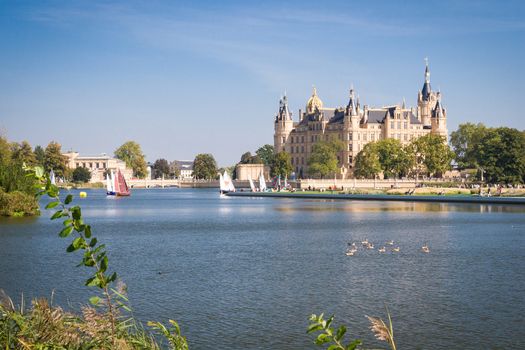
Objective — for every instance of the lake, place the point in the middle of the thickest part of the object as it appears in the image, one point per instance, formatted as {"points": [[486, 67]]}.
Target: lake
{"points": [[246, 273]]}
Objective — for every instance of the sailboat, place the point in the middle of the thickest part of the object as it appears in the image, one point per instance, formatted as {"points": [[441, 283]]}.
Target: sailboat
{"points": [[262, 183], [110, 188], [117, 185], [252, 186], [52, 177], [121, 187], [226, 183]]}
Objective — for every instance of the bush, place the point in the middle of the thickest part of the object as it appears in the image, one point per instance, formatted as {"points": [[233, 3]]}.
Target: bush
{"points": [[18, 204]]}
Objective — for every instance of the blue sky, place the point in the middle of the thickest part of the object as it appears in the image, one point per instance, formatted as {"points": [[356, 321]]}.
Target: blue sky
{"points": [[183, 78]]}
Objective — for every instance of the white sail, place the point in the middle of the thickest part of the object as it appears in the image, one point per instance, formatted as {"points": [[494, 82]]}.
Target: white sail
{"points": [[109, 183], [228, 182], [252, 186], [222, 183], [52, 177], [262, 183]]}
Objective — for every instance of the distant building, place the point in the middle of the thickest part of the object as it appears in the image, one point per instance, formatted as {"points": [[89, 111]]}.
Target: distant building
{"points": [[252, 171], [185, 167], [355, 126], [98, 165]]}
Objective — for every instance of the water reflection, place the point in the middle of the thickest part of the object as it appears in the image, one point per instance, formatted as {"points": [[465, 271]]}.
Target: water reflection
{"points": [[361, 206]]}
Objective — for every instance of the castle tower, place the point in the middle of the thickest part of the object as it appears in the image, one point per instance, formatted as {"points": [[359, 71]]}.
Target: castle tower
{"points": [[439, 119], [426, 99], [283, 125]]}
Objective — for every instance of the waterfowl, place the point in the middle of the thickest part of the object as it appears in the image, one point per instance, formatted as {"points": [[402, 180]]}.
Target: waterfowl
{"points": [[382, 250]]}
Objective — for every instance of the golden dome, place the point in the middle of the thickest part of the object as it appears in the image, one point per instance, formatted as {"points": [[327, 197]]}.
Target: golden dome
{"points": [[313, 102]]}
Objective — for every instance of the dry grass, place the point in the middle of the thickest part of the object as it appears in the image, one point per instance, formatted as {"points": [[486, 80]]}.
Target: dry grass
{"points": [[43, 326]]}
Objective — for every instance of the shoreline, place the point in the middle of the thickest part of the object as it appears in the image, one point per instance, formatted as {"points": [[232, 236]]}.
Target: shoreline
{"points": [[378, 197]]}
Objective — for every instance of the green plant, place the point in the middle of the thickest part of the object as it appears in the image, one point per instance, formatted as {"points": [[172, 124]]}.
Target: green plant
{"points": [[328, 335]]}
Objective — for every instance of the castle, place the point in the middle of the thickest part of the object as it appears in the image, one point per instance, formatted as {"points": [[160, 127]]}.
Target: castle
{"points": [[355, 126]]}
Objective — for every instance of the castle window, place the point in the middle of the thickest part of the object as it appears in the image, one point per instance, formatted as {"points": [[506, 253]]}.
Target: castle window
{"points": [[312, 138], [350, 147], [358, 136], [349, 136], [292, 160], [284, 139], [78, 164], [302, 138], [350, 160], [392, 125], [406, 125], [373, 137], [302, 149], [364, 137], [399, 125], [406, 137], [292, 139], [296, 149]]}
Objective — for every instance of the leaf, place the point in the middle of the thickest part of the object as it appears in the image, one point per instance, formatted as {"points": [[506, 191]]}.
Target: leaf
{"points": [[66, 231], [104, 264], [57, 215], [68, 199], [333, 347], [353, 345], [113, 277], [94, 301], [76, 213], [92, 281], [51, 205], [93, 242], [67, 222], [87, 231], [340, 333], [39, 171], [314, 328]]}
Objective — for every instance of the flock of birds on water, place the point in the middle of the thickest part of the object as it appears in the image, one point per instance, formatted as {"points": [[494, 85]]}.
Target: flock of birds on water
{"points": [[352, 247]]}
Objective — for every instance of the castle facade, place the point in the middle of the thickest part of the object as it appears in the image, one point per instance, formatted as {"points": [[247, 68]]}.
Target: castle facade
{"points": [[355, 126]]}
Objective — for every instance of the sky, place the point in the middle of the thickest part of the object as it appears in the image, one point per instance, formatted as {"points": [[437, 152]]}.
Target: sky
{"points": [[182, 78]]}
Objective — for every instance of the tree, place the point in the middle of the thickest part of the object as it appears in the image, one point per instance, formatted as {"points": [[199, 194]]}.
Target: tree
{"points": [[54, 160], [501, 155], [433, 153], [464, 142], [247, 158], [323, 160], [266, 153], [23, 153], [393, 158], [174, 169], [160, 168], [81, 174], [40, 155], [281, 165], [131, 153], [367, 163], [204, 166]]}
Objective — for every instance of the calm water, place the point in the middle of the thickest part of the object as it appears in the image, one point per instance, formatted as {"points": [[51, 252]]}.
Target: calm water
{"points": [[242, 273]]}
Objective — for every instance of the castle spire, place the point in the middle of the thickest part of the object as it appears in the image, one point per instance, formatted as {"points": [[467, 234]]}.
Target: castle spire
{"points": [[425, 92], [351, 107]]}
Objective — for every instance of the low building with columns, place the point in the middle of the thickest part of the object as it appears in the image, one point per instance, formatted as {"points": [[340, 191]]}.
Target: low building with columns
{"points": [[355, 126], [98, 165]]}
